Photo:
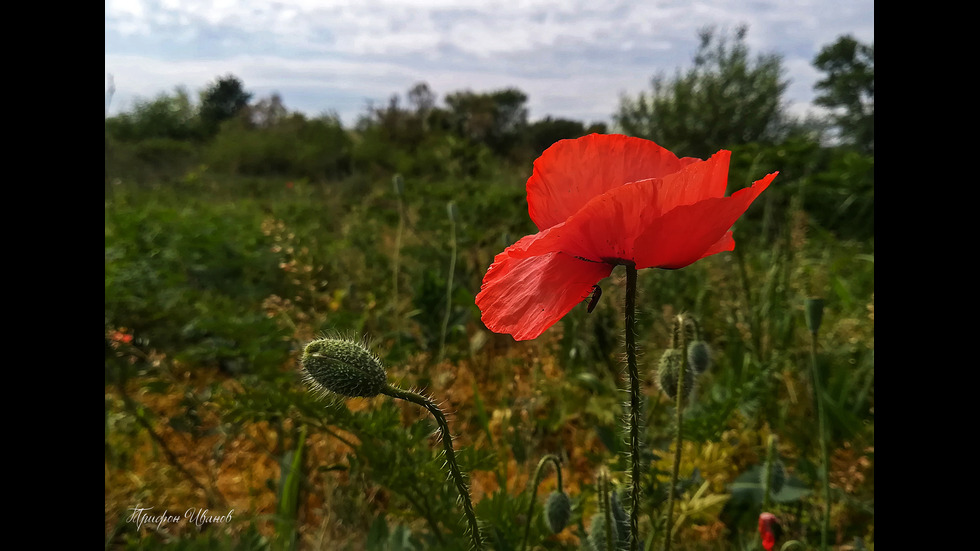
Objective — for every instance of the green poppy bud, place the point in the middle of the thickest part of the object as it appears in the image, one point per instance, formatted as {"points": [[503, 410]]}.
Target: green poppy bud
{"points": [[558, 510], [699, 356], [620, 517], [597, 534], [671, 365], [814, 314], [343, 367], [777, 475]]}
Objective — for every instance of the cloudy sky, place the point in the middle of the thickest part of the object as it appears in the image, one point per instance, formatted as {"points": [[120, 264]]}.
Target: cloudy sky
{"points": [[574, 58]]}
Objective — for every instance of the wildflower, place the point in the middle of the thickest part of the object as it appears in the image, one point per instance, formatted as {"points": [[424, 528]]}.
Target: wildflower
{"points": [[598, 202], [121, 336], [769, 530]]}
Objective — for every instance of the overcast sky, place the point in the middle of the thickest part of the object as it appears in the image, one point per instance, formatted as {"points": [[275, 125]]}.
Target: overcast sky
{"points": [[573, 58]]}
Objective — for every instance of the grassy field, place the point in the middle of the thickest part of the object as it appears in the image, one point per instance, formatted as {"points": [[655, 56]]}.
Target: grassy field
{"points": [[214, 284]]}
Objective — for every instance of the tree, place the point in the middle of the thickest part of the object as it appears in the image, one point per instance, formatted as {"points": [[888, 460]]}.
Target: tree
{"points": [[726, 99], [495, 119], [849, 89], [222, 100], [167, 116]]}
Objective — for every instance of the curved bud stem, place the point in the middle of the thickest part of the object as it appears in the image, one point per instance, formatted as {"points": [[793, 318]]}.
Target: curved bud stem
{"points": [[447, 441], [678, 438], [534, 490]]}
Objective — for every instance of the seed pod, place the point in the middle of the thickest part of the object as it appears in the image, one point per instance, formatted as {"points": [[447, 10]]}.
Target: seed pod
{"points": [[343, 367]]}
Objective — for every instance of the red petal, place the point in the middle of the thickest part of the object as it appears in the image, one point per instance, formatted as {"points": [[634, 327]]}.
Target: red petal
{"points": [[690, 232], [696, 182], [601, 231], [571, 172], [523, 296]]}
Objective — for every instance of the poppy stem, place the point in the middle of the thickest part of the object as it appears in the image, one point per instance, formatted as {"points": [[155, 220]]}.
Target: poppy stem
{"points": [[822, 437], [534, 490], [678, 435], [634, 377], [447, 443]]}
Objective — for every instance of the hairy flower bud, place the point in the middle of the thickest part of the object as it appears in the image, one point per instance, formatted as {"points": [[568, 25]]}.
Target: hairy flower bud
{"points": [[343, 367], [558, 510], [699, 356], [671, 364], [777, 475]]}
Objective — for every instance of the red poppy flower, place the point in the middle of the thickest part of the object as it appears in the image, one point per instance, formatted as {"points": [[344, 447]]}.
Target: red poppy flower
{"points": [[600, 201], [769, 530]]}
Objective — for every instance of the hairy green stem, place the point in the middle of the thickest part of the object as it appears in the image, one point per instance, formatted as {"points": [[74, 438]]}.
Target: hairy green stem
{"points": [[534, 490], [824, 449], [678, 437], [634, 415], [447, 443]]}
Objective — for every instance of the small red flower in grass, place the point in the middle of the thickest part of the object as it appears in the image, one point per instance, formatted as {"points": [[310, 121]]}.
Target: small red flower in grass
{"points": [[769, 530], [600, 201], [121, 337]]}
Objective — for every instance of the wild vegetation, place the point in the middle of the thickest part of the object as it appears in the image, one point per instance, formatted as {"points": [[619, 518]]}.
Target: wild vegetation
{"points": [[237, 231]]}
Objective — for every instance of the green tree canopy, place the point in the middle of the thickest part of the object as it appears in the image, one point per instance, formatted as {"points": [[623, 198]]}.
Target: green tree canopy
{"points": [[222, 100], [495, 119], [167, 116], [848, 89], [728, 98]]}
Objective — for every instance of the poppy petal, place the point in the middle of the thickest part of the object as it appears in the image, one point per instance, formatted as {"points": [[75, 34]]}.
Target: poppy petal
{"points": [[688, 233], [572, 172], [601, 231], [695, 182], [524, 296]]}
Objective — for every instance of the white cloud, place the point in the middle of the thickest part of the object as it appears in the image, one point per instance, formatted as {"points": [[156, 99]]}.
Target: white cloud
{"points": [[572, 57]]}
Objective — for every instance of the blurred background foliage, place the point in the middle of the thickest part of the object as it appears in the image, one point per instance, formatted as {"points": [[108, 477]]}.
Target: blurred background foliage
{"points": [[237, 230]]}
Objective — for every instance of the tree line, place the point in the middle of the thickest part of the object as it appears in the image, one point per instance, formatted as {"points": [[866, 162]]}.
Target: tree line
{"points": [[728, 98]]}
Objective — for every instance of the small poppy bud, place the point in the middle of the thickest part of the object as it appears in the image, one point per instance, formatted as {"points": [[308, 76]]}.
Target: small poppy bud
{"points": [[452, 211], [769, 530], [814, 314], [398, 183], [777, 475], [558, 510], [699, 356], [671, 364], [597, 534], [620, 518], [343, 367]]}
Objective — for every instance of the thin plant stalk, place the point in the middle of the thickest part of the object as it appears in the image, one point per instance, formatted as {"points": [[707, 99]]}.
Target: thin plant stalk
{"points": [[398, 247], [534, 490], [447, 441], [634, 413], [605, 509], [678, 438], [824, 448], [449, 284]]}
